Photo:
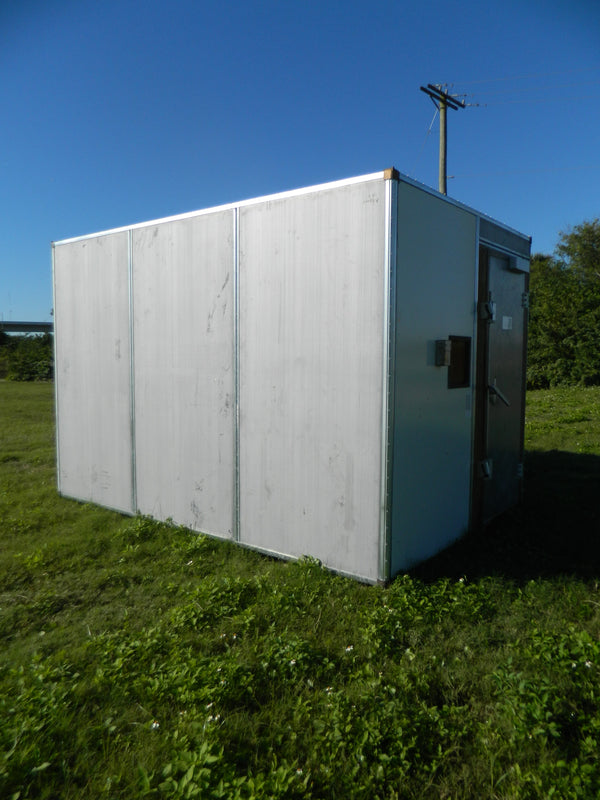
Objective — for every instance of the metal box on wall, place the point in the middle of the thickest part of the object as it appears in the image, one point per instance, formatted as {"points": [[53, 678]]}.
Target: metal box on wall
{"points": [[323, 371]]}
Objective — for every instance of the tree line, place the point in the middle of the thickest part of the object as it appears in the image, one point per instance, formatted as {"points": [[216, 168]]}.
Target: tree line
{"points": [[564, 311], [564, 319], [27, 358]]}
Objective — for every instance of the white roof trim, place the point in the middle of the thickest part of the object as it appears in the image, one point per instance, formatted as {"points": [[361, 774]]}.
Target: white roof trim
{"points": [[227, 206]]}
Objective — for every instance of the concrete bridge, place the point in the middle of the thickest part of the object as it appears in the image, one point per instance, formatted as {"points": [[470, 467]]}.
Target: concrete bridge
{"points": [[26, 327]]}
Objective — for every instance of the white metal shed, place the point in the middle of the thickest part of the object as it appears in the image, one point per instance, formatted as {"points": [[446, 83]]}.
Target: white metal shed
{"points": [[335, 371]]}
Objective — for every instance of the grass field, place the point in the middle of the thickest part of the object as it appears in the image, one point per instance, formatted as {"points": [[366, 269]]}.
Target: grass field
{"points": [[139, 660]]}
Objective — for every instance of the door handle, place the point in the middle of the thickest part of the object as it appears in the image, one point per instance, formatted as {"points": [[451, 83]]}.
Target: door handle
{"points": [[494, 390]]}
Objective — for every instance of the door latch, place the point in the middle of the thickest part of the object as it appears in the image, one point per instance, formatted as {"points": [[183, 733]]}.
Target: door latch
{"points": [[486, 469], [487, 311]]}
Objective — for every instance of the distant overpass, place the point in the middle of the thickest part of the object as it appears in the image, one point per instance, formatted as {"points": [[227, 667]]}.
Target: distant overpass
{"points": [[26, 327]]}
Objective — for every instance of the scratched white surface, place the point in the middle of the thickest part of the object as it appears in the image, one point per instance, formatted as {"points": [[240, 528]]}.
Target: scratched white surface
{"points": [[183, 344], [92, 370], [311, 344]]}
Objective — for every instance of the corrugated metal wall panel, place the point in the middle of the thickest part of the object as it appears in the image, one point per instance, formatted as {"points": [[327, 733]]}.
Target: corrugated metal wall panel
{"points": [[435, 289], [183, 343], [311, 344], [93, 370]]}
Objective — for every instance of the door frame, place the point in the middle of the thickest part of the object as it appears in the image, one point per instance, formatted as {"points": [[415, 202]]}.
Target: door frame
{"points": [[481, 401], [481, 394]]}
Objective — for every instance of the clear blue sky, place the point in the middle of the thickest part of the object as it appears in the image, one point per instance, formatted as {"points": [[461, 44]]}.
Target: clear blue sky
{"points": [[121, 111]]}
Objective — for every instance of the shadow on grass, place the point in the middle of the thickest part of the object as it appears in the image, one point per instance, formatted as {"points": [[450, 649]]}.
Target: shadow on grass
{"points": [[554, 532]]}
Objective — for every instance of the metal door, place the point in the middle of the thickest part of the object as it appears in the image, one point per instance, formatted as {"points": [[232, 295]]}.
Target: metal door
{"points": [[500, 396]]}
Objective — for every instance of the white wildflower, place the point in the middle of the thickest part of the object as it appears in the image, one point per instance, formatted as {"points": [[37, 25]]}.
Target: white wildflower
{"points": [[350, 648], [155, 725]]}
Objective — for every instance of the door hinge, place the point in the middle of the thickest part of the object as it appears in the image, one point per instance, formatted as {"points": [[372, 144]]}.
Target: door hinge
{"points": [[525, 300], [520, 472]]}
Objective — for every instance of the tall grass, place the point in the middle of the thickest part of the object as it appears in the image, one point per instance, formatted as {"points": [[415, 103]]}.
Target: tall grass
{"points": [[140, 660]]}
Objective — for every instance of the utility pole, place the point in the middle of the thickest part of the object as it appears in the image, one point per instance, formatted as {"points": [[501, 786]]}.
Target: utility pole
{"points": [[442, 100]]}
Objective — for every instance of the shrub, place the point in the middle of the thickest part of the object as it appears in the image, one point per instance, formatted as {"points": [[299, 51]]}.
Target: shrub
{"points": [[29, 358]]}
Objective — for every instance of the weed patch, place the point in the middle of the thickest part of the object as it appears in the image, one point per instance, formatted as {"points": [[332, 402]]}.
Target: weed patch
{"points": [[141, 660]]}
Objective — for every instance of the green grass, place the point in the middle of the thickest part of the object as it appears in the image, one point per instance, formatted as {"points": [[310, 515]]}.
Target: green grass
{"points": [[139, 660]]}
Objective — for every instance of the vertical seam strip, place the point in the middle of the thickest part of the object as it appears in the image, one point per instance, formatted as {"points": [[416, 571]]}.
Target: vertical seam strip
{"points": [[387, 400], [56, 382], [236, 374], [474, 359], [131, 373]]}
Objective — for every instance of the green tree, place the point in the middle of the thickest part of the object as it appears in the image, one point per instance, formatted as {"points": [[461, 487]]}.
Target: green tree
{"points": [[564, 320], [4, 351], [552, 323], [30, 358], [579, 250]]}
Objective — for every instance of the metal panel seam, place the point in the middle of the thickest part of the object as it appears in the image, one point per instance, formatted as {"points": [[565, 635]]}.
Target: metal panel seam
{"points": [[524, 382], [57, 415], [131, 373], [498, 247], [474, 352], [236, 374], [387, 401]]}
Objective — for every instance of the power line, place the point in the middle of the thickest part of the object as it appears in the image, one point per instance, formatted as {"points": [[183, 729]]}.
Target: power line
{"points": [[533, 101], [533, 170], [526, 77], [539, 88], [530, 95]]}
